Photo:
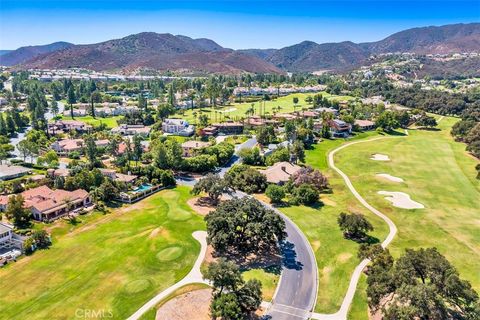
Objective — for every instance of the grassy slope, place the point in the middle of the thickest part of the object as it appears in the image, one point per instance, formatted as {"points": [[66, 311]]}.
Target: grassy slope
{"points": [[111, 263], [439, 174], [285, 102]]}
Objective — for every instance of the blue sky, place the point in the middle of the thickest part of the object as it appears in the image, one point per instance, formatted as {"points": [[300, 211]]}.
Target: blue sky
{"points": [[233, 24]]}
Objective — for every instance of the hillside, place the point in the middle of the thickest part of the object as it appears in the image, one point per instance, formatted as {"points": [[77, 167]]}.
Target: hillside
{"points": [[151, 50], [310, 56], [154, 51], [445, 39], [24, 54]]}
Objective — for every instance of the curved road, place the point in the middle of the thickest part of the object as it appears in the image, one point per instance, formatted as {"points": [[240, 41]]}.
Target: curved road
{"points": [[296, 292], [347, 300]]}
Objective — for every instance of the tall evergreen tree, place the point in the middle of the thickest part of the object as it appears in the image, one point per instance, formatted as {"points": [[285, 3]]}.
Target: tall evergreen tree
{"points": [[71, 99]]}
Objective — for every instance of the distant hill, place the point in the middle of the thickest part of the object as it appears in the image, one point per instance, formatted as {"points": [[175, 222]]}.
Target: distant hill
{"points": [[310, 56], [23, 54], [154, 51], [259, 53], [2, 52], [149, 50], [445, 39]]}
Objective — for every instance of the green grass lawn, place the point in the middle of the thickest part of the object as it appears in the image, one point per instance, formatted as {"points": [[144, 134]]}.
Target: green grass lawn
{"points": [[437, 173], [115, 262], [236, 111], [110, 122], [268, 279]]}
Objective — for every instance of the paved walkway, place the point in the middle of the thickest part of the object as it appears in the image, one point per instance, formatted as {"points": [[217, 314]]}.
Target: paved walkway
{"points": [[194, 276], [347, 300]]}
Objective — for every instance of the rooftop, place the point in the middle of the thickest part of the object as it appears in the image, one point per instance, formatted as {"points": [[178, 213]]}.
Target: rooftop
{"points": [[10, 170]]}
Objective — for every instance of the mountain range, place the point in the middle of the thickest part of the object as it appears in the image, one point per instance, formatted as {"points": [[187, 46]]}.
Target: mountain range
{"points": [[161, 52]]}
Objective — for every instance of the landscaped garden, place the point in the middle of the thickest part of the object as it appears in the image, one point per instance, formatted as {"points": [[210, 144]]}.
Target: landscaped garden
{"points": [[114, 262]]}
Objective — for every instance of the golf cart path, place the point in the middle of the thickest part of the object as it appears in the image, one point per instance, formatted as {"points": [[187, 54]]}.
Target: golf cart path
{"points": [[194, 276], [347, 300]]}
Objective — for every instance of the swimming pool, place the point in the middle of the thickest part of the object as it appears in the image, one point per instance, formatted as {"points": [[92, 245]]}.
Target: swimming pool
{"points": [[142, 188]]}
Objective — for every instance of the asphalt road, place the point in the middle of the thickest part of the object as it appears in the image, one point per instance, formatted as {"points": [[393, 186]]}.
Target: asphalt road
{"points": [[296, 292]]}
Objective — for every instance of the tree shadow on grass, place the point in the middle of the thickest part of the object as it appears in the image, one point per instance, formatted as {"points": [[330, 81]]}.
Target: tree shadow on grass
{"points": [[429, 129], [367, 239]]}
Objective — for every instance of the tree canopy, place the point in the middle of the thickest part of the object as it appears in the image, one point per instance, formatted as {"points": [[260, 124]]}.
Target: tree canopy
{"points": [[232, 297], [421, 284], [244, 226]]}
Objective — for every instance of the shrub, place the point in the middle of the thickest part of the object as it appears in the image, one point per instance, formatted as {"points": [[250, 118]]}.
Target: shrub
{"points": [[305, 194], [275, 193]]}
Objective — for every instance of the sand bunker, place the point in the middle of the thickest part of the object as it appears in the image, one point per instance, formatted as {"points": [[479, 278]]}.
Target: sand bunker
{"points": [[389, 177], [401, 200], [228, 110], [380, 157]]}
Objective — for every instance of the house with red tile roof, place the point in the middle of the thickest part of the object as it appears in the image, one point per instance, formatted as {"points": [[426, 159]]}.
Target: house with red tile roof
{"points": [[65, 147], [47, 204]]}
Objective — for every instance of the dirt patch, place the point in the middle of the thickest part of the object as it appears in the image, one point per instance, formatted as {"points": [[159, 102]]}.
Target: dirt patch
{"points": [[190, 305], [327, 201], [201, 205], [315, 245], [209, 258], [343, 257], [154, 233]]}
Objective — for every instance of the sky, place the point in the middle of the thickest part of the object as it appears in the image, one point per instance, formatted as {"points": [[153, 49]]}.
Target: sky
{"points": [[231, 23]]}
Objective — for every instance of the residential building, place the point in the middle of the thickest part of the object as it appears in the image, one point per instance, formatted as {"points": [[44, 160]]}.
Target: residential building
{"points": [[229, 127], [75, 112], [286, 116], [69, 125], [8, 172], [102, 143], [327, 110], [65, 147], [340, 128], [189, 147], [210, 131], [118, 177], [47, 204], [53, 173], [132, 129], [256, 121], [177, 126], [365, 125], [280, 172], [9, 241], [308, 114]]}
